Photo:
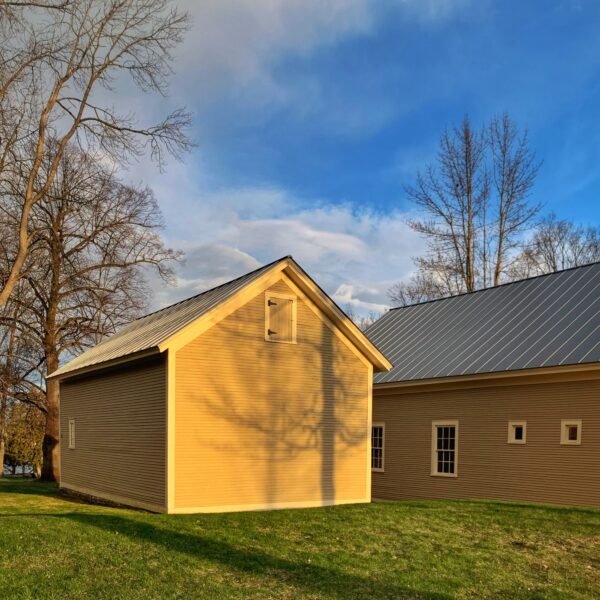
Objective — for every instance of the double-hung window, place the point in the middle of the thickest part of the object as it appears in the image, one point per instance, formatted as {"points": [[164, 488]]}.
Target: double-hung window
{"points": [[444, 448], [377, 442]]}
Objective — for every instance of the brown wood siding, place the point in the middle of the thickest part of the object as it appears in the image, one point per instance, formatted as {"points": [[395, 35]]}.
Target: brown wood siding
{"points": [[261, 424], [120, 431], [488, 466]]}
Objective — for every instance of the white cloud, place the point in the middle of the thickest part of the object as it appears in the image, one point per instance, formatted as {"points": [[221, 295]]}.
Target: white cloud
{"points": [[354, 255]]}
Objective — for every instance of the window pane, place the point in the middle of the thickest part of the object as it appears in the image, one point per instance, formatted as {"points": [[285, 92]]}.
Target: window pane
{"points": [[445, 442], [572, 433], [377, 447], [518, 432]]}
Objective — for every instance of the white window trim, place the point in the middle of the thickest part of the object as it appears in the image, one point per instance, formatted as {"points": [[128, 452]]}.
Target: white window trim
{"points": [[382, 425], [511, 432], [294, 299], [434, 426], [564, 434], [72, 435]]}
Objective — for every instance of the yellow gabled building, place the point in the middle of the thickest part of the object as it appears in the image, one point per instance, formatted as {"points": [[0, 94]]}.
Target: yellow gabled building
{"points": [[256, 394]]}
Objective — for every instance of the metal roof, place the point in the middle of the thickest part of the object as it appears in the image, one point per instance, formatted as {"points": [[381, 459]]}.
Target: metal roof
{"points": [[545, 321], [147, 332]]}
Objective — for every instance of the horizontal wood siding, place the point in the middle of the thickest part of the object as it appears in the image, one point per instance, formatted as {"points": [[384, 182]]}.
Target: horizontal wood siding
{"points": [[120, 425], [488, 466], [262, 424]]}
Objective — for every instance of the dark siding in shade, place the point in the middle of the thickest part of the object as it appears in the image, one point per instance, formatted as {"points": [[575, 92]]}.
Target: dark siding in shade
{"points": [[542, 470], [545, 321], [120, 432]]}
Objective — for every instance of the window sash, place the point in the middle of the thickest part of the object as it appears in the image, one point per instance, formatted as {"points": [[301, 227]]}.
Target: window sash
{"points": [[444, 448], [377, 444], [71, 434]]}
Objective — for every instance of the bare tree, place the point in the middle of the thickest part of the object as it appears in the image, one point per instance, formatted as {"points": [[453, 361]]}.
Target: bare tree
{"points": [[514, 170], [476, 208], [94, 236], [18, 360], [60, 63], [362, 322], [557, 244]]}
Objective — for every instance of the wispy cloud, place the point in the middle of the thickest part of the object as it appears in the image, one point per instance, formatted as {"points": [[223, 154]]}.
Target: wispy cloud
{"points": [[354, 255]]}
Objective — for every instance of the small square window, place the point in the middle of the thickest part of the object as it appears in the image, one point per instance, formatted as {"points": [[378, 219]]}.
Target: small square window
{"points": [[570, 432], [517, 432]]}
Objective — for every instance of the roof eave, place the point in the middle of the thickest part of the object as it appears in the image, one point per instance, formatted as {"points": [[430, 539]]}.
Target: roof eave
{"points": [[62, 376], [340, 319], [591, 369]]}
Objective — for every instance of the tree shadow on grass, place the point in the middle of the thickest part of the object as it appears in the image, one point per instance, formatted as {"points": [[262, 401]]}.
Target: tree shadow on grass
{"points": [[31, 487], [312, 579]]}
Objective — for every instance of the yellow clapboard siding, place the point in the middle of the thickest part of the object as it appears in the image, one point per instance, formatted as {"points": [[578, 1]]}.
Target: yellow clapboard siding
{"points": [[261, 424]]}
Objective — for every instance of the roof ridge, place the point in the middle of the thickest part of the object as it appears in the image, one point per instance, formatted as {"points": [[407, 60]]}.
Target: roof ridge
{"points": [[212, 289], [495, 287]]}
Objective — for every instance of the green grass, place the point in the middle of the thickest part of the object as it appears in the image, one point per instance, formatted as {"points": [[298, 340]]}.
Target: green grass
{"points": [[52, 547]]}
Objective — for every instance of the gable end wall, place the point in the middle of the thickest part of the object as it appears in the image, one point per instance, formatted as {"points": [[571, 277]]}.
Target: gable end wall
{"points": [[261, 424]]}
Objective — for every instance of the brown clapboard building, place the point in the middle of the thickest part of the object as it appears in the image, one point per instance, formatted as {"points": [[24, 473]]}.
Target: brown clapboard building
{"points": [[493, 394]]}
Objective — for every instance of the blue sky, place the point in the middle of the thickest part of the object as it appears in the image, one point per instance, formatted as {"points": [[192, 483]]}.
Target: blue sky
{"points": [[312, 115]]}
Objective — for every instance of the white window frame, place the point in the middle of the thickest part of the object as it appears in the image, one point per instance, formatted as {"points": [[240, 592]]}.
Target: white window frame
{"points": [[564, 432], [294, 299], [376, 469], [512, 425], [71, 434], [434, 426]]}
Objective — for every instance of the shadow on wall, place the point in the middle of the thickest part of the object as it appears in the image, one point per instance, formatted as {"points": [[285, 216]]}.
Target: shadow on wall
{"points": [[313, 579], [313, 412]]}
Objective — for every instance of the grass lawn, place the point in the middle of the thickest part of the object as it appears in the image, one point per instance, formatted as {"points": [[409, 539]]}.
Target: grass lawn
{"points": [[51, 547]]}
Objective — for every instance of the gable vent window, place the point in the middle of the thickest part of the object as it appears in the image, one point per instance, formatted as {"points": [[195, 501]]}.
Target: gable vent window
{"points": [[71, 434], [570, 432], [517, 432], [444, 448], [280, 318], [377, 441]]}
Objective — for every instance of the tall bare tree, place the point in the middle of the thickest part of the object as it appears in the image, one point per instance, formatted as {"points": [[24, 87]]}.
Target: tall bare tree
{"points": [[93, 239], [475, 206], [59, 67], [514, 169]]}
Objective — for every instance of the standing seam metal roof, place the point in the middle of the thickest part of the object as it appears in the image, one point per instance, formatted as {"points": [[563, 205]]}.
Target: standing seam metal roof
{"points": [[545, 321], [147, 332]]}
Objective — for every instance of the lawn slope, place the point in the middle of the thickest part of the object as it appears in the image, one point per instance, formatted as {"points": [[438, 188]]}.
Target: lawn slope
{"points": [[51, 547]]}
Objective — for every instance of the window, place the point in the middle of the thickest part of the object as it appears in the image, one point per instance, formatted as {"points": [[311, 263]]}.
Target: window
{"points": [[517, 432], [570, 432], [280, 318], [377, 441], [71, 434], [444, 448]]}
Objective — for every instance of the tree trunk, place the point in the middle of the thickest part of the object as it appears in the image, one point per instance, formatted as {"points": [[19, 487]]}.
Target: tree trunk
{"points": [[1, 454], [50, 446]]}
